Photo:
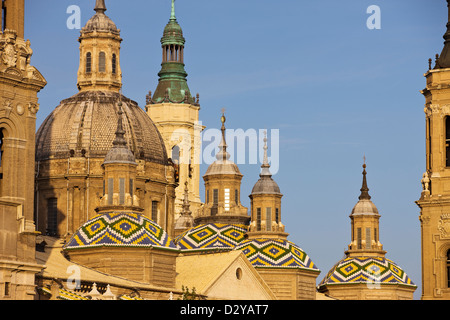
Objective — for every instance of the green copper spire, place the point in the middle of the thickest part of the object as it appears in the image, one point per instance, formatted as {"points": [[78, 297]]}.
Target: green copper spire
{"points": [[172, 86], [172, 15]]}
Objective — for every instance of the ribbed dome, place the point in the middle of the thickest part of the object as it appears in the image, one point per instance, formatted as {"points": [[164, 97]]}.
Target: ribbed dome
{"points": [[100, 22], [266, 185], [365, 206], [86, 124], [223, 167]]}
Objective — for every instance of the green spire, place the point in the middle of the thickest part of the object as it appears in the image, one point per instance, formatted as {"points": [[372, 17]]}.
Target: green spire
{"points": [[172, 86], [172, 15]]}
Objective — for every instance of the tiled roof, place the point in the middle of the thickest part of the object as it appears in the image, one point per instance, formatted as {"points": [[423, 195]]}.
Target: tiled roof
{"points": [[213, 236], [120, 229], [370, 270], [275, 253]]}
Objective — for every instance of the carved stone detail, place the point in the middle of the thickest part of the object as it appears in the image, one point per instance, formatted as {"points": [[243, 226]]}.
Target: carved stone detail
{"points": [[444, 225]]}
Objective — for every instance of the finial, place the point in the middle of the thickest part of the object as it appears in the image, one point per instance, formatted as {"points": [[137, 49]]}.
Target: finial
{"points": [[223, 155], [186, 205], [265, 166], [120, 132], [364, 189], [172, 14], [100, 6]]}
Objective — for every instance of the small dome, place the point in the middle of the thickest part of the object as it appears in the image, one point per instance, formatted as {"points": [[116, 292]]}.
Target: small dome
{"points": [[120, 229], [275, 253], [266, 185], [119, 155], [365, 206], [354, 270], [223, 167], [100, 22], [213, 236]]}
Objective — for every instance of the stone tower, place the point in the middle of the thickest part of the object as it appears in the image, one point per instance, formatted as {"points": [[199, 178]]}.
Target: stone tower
{"points": [[19, 85], [176, 114], [434, 202]]}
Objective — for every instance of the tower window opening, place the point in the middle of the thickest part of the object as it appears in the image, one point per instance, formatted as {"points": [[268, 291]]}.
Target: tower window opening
{"points": [[277, 215], [155, 211], [7, 289], [236, 196], [447, 141], [258, 219], [268, 219], [3, 16], [359, 239], [207, 196], [102, 62], [227, 199], [429, 142], [88, 62], [131, 186], [114, 63], [368, 239], [110, 191], [214, 209], [121, 191], [176, 155], [52, 217]]}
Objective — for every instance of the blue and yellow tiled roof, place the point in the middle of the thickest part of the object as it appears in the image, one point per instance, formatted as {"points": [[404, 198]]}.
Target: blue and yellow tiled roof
{"points": [[123, 229], [369, 270], [212, 236], [275, 253]]}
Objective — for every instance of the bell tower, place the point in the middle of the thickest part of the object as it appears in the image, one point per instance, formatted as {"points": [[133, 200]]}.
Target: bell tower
{"points": [[176, 114], [434, 202], [19, 84]]}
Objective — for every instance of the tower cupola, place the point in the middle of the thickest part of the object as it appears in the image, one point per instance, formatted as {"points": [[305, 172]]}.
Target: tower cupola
{"points": [[266, 204], [365, 225], [100, 53]]}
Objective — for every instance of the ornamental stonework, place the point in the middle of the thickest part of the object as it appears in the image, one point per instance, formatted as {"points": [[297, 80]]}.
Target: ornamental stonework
{"points": [[444, 225]]}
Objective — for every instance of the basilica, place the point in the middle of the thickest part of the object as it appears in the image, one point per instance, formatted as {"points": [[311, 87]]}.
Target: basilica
{"points": [[109, 204]]}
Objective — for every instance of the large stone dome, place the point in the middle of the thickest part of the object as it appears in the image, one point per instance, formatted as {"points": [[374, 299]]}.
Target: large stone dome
{"points": [[85, 125]]}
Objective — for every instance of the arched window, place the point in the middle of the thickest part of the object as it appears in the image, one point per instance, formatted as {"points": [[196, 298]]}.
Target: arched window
{"points": [[88, 62], [114, 63], [102, 62], [176, 155], [448, 269]]}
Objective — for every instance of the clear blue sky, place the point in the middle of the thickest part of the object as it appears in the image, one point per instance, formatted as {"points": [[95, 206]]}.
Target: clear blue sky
{"points": [[312, 69]]}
